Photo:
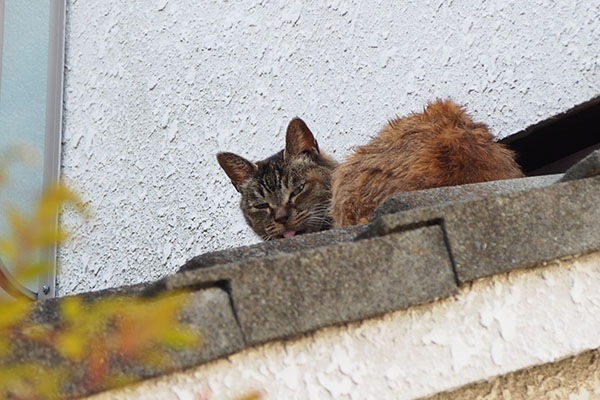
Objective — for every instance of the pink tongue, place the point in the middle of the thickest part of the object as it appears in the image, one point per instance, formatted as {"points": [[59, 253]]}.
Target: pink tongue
{"points": [[289, 234]]}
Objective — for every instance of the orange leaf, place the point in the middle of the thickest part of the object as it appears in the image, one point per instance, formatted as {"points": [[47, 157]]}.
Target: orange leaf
{"points": [[97, 366]]}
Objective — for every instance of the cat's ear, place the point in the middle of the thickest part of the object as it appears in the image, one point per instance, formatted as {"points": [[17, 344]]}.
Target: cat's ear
{"points": [[299, 139], [237, 168]]}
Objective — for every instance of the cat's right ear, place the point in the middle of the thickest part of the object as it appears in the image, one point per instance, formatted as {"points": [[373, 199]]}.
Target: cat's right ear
{"points": [[299, 139], [237, 168]]}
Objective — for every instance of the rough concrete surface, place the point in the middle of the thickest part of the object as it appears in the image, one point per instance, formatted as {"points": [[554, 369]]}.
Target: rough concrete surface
{"points": [[271, 248], [450, 194], [287, 295], [491, 327], [521, 230], [399, 261], [153, 89], [290, 294], [588, 167], [206, 311], [511, 231]]}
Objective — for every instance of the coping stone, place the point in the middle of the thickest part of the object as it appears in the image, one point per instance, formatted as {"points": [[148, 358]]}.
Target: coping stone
{"points": [[403, 201], [207, 311], [269, 248], [289, 294], [588, 167], [517, 230], [210, 311], [278, 289]]}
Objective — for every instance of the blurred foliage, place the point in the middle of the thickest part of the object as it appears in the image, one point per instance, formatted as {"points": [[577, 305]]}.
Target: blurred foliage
{"points": [[90, 336]]}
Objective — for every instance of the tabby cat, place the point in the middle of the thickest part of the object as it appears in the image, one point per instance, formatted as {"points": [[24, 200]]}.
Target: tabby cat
{"points": [[288, 193], [300, 189]]}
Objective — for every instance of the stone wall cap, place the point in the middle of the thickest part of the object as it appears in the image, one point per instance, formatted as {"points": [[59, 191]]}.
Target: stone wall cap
{"points": [[449, 237]]}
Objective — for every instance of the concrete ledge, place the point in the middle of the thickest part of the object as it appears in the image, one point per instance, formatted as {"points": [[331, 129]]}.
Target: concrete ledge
{"points": [[289, 288], [586, 168], [451, 194], [208, 311], [511, 231], [289, 294], [271, 248], [292, 294], [489, 328]]}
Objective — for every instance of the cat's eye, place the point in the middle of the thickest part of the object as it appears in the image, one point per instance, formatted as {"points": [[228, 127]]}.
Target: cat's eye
{"points": [[261, 206], [298, 190]]}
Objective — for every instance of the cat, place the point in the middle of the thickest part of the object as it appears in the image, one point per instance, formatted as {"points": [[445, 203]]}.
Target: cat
{"points": [[288, 193], [441, 146], [301, 189]]}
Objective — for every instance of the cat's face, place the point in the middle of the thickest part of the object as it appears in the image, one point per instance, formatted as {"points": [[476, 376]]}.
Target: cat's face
{"points": [[288, 193]]}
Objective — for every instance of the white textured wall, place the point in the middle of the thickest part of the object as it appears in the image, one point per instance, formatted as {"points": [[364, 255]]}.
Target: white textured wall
{"points": [[491, 327], [155, 88]]}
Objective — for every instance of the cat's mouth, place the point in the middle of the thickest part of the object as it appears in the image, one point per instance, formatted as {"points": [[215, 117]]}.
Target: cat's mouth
{"points": [[291, 233]]}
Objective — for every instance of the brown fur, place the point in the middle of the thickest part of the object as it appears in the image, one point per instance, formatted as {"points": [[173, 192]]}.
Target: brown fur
{"points": [[441, 146]]}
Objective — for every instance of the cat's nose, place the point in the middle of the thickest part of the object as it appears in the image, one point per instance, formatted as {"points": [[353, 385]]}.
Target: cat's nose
{"points": [[281, 216]]}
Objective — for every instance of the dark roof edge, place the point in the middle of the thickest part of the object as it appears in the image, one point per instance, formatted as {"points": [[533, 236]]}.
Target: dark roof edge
{"points": [[565, 138], [593, 102]]}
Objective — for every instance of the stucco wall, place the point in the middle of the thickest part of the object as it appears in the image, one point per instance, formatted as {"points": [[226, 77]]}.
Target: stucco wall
{"points": [[154, 89], [491, 327]]}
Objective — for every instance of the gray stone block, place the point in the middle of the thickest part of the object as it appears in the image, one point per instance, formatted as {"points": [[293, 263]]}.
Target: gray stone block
{"points": [[289, 294], [403, 201], [279, 289], [517, 230], [207, 311], [588, 167], [271, 248], [524, 230]]}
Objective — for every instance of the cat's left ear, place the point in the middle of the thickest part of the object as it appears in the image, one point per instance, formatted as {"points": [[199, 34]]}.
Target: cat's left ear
{"points": [[237, 168], [300, 140]]}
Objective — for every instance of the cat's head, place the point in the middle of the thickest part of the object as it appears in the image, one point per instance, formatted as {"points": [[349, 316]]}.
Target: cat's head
{"points": [[288, 193]]}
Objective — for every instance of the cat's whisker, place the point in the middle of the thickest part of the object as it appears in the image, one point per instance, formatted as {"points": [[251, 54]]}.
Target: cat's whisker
{"points": [[318, 221], [270, 232]]}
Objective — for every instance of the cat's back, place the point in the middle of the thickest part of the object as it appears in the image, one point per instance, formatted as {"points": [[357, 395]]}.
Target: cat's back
{"points": [[440, 146], [443, 127]]}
